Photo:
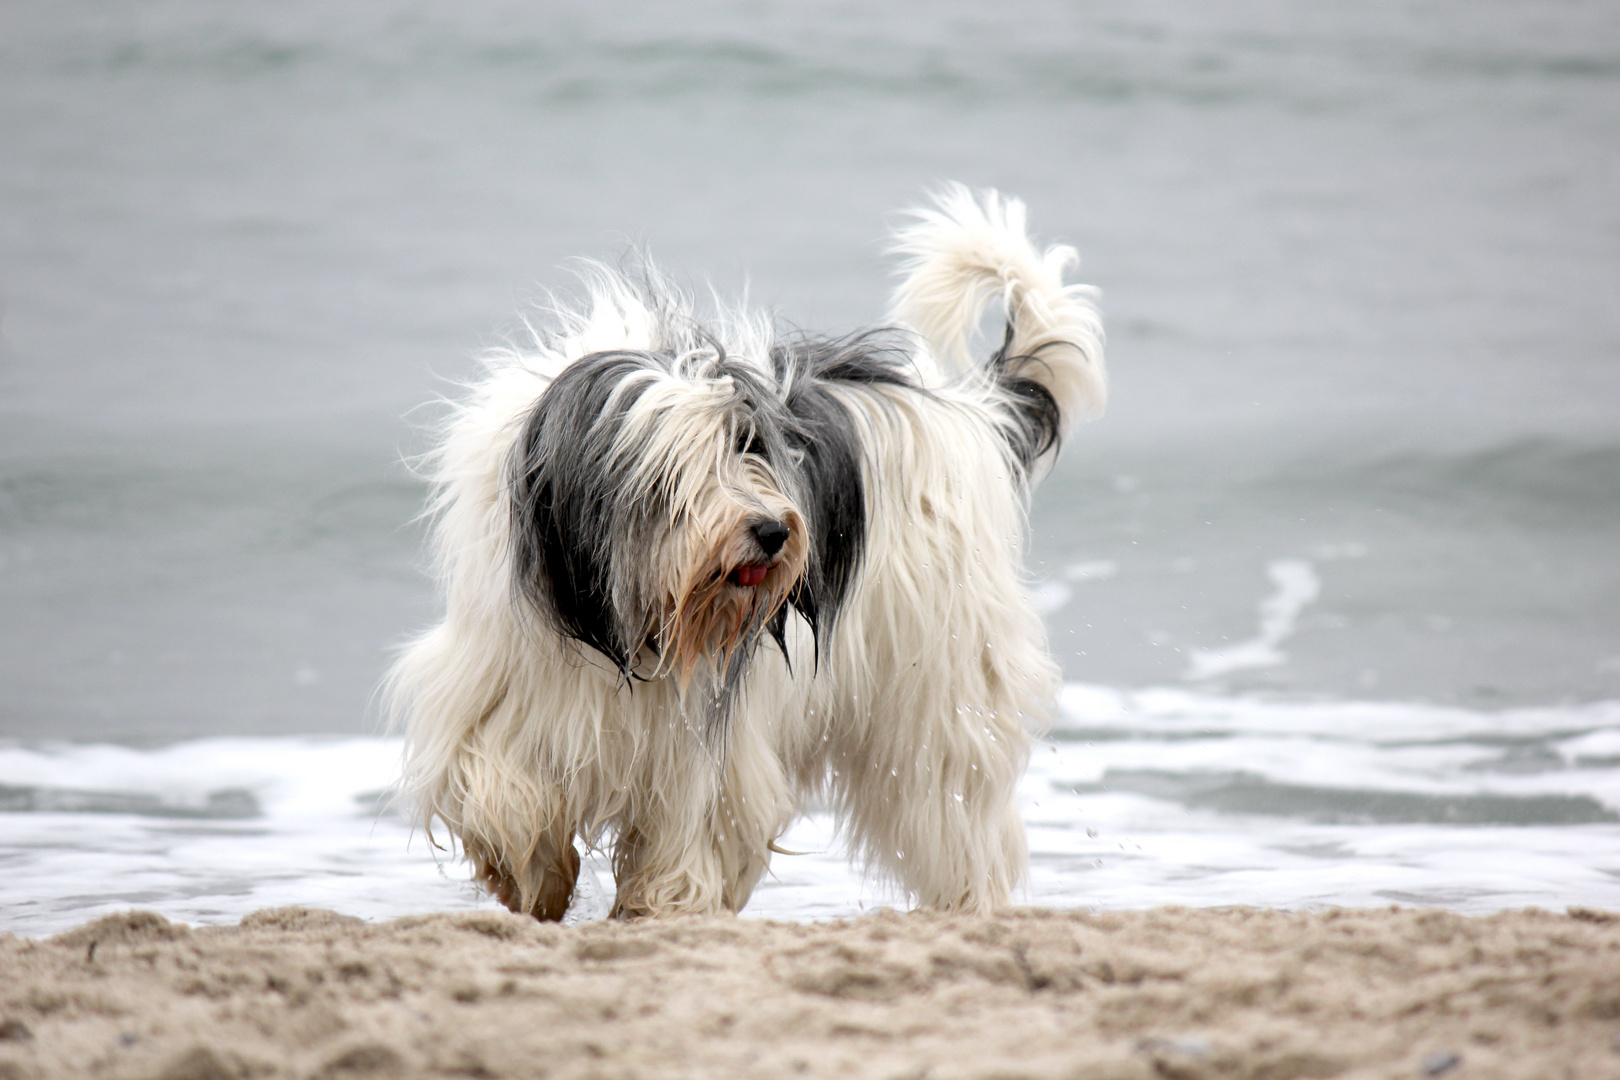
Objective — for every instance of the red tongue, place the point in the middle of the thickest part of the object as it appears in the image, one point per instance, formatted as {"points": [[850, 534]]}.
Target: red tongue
{"points": [[749, 576]]}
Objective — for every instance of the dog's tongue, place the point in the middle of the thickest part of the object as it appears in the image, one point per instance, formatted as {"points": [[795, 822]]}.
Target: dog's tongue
{"points": [[749, 576]]}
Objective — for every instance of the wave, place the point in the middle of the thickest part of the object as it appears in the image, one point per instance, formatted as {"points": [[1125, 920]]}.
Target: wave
{"points": [[225, 779], [1538, 479], [1106, 713], [1137, 798], [1238, 792]]}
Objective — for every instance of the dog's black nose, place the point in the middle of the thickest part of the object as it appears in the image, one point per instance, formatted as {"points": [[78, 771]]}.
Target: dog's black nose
{"points": [[771, 535]]}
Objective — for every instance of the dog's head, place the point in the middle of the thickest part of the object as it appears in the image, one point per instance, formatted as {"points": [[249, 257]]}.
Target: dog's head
{"points": [[659, 511]]}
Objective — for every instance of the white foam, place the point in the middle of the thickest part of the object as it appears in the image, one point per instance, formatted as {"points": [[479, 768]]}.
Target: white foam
{"points": [[1604, 743], [1297, 586], [318, 838], [1050, 596], [1174, 711], [1094, 570]]}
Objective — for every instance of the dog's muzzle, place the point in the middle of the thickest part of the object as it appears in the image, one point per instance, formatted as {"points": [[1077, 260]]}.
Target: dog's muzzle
{"points": [[770, 535]]}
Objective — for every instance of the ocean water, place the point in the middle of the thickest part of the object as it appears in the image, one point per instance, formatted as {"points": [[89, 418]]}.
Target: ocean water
{"points": [[1334, 583], [1135, 799]]}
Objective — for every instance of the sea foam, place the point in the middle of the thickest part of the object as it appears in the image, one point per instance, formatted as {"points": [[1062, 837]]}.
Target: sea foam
{"points": [[1133, 799]]}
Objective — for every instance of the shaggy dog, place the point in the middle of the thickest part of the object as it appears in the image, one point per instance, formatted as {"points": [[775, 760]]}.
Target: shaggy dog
{"points": [[699, 572]]}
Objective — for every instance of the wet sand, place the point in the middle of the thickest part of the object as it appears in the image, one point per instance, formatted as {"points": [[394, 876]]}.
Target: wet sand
{"points": [[1167, 993]]}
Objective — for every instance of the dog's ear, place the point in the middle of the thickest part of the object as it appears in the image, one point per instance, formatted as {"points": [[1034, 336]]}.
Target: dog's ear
{"points": [[827, 446], [557, 572], [568, 512], [777, 628]]}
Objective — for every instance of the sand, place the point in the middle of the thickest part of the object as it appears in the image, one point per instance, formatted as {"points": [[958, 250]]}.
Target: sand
{"points": [[1167, 993]]}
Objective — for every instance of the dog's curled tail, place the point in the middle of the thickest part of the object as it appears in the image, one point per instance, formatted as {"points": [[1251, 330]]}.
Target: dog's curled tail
{"points": [[962, 252]]}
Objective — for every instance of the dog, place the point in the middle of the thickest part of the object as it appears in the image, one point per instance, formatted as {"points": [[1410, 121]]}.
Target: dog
{"points": [[700, 571]]}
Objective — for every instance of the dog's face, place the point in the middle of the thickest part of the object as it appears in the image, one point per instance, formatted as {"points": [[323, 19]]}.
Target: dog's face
{"points": [[658, 510], [734, 544]]}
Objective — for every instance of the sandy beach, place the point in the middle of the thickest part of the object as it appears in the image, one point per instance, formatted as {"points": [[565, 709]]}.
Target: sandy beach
{"points": [[1170, 992]]}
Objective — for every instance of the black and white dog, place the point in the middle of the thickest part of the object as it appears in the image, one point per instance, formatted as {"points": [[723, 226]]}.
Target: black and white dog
{"points": [[697, 573]]}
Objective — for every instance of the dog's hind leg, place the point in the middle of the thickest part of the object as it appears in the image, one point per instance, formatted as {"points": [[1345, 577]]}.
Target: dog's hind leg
{"points": [[941, 669], [928, 799]]}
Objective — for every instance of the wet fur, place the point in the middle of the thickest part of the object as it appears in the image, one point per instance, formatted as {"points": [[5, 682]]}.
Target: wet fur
{"points": [[601, 678]]}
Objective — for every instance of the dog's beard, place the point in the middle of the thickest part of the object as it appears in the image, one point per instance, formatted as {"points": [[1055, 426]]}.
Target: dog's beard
{"points": [[716, 612]]}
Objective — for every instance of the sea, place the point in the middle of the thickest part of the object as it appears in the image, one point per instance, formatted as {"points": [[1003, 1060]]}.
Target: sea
{"points": [[1335, 584]]}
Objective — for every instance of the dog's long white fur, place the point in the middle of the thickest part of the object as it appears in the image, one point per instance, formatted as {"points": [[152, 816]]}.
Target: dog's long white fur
{"points": [[914, 722], [963, 253]]}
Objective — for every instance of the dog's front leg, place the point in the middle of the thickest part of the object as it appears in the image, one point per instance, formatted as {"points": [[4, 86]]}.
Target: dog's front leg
{"points": [[661, 874], [541, 884], [708, 867]]}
